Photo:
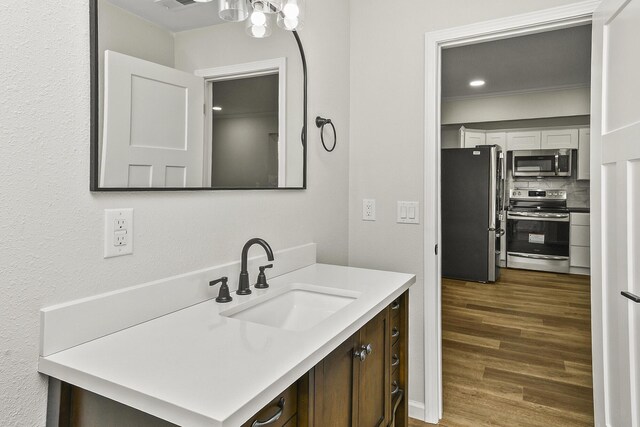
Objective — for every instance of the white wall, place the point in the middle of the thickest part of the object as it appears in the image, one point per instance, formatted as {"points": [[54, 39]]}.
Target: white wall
{"points": [[51, 225], [387, 132], [520, 106]]}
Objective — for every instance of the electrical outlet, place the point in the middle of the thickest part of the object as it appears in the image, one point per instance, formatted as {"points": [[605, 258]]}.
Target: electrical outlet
{"points": [[368, 210], [118, 232]]}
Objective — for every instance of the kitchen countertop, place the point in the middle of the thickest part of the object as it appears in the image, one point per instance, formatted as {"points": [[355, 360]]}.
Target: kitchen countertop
{"points": [[578, 209], [195, 367]]}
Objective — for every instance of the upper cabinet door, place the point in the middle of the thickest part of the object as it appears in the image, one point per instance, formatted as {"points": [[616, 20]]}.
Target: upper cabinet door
{"points": [[526, 140], [497, 138], [473, 138], [560, 138], [153, 125], [584, 154]]}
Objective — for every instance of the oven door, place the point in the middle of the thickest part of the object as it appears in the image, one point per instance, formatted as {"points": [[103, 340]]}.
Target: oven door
{"points": [[538, 241]]}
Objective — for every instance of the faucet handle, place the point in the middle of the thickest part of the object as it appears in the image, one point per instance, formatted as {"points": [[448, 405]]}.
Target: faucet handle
{"points": [[262, 278], [223, 294]]}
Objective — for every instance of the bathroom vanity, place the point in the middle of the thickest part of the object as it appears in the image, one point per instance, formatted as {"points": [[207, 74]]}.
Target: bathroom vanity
{"points": [[338, 356]]}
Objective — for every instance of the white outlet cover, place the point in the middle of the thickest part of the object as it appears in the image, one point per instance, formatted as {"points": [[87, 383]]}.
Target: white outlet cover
{"points": [[368, 210], [113, 223]]}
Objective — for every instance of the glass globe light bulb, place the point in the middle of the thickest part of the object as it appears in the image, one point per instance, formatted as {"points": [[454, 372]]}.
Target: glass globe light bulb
{"points": [[258, 19]]}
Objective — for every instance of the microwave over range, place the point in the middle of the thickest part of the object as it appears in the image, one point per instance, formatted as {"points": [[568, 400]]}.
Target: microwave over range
{"points": [[540, 163]]}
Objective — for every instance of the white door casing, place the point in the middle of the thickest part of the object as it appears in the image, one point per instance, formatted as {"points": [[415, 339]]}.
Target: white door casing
{"points": [[616, 57], [530, 23], [153, 125]]}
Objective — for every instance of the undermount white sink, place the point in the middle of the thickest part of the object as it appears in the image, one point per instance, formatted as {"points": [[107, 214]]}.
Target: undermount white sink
{"points": [[295, 307]]}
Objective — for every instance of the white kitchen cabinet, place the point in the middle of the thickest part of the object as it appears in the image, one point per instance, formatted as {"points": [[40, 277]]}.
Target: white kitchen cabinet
{"points": [[559, 138], [471, 138], [523, 140], [497, 138], [579, 246], [584, 154]]}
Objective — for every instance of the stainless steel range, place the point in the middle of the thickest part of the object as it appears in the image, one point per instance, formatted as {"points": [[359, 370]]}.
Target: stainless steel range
{"points": [[538, 224]]}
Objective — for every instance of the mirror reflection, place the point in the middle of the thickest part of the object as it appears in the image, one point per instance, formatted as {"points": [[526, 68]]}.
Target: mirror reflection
{"points": [[186, 101]]}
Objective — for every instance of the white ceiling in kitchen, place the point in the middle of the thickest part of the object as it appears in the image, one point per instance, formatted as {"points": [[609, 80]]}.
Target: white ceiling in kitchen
{"points": [[553, 59]]}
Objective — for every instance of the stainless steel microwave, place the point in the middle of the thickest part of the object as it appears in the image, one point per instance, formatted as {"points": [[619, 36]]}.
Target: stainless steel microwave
{"points": [[539, 163]]}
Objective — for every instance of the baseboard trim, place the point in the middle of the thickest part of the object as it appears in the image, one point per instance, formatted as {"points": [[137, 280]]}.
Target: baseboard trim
{"points": [[416, 410]]}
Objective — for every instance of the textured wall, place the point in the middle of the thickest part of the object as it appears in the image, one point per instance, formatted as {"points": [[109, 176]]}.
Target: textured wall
{"points": [[387, 132], [51, 225]]}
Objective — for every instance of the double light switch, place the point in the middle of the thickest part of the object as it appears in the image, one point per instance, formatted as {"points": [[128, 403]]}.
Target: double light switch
{"points": [[408, 213]]}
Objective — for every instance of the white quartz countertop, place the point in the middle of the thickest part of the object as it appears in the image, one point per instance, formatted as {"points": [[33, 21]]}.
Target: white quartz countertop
{"points": [[194, 367]]}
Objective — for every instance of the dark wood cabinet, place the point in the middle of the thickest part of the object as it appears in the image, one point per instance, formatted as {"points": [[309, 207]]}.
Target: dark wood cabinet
{"points": [[349, 389]]}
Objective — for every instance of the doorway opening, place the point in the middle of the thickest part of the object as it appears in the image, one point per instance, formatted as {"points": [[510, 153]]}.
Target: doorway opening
{"points": [[532, 313]]}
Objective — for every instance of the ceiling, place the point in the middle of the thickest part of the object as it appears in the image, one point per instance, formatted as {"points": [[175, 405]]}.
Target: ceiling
{"points": [[172, 14], [553, 59]]}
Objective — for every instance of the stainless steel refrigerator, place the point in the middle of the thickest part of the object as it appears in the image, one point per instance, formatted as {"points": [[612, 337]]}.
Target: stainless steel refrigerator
{"points": [[472, 199]]}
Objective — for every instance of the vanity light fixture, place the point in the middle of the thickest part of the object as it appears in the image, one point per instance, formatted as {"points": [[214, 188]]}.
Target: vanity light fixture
{"points": [[260, 14], [476, 83]]}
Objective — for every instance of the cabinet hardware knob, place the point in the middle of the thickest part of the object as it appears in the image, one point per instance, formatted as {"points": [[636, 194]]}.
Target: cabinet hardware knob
{"points": [[395, 332], [395, 305], [273, 419], [363, 352]]}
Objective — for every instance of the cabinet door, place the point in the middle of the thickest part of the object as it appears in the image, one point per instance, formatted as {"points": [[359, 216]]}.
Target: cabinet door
{"points": [[559, 138], [584, 154], [529, 140], [374, 394], [497, 138], [473, 138], [335, 387]]}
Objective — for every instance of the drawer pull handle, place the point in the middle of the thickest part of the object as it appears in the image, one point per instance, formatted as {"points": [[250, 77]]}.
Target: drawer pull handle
{"points": [[273, 419], [395, 389], [395, 305], [395, 332], [395, 360]]}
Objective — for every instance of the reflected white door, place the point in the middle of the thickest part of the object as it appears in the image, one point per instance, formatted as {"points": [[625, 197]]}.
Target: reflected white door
{"points": [[616, 33], [153, 125]]}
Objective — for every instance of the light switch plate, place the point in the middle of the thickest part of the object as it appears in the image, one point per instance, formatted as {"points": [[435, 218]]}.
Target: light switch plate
{"points": [[408, 213], [118, 232]]}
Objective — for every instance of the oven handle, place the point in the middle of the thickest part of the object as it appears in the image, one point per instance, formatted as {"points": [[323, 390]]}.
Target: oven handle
{"points": [[539, 216], [545, 257], [557, 163]]}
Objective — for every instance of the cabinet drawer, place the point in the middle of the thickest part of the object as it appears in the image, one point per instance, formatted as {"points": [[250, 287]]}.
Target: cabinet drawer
{"points": [[395, 355], [287, 409], [579, 256], [579, 235], [580, 218], [395, 329], [395, 383]]}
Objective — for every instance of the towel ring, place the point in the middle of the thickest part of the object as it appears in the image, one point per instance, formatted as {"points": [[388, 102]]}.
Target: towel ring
{"points": [[321, 123]]}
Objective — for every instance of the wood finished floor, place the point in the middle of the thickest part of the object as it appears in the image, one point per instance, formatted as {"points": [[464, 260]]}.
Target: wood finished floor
{"points": [[517, 353]]}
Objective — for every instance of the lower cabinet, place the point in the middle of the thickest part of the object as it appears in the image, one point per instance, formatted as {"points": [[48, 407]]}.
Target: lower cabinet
{"points": [[363, 382]]}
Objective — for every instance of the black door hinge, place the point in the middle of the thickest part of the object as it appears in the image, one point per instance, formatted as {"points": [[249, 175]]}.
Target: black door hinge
{"points": [[436, 249]]}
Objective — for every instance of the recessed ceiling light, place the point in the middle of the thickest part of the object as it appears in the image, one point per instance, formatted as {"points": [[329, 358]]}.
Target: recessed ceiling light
{"points": [[217, 108], [476, 83]]}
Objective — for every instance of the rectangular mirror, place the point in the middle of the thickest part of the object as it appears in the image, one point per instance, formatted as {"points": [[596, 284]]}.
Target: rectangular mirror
{"points": [[182, 100]]}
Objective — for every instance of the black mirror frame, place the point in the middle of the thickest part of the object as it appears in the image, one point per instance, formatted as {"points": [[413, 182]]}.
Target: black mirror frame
{"points": [[95, 110]]}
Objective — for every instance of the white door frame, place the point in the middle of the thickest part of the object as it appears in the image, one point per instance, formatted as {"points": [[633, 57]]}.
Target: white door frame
{"points": [[544, 20]]}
